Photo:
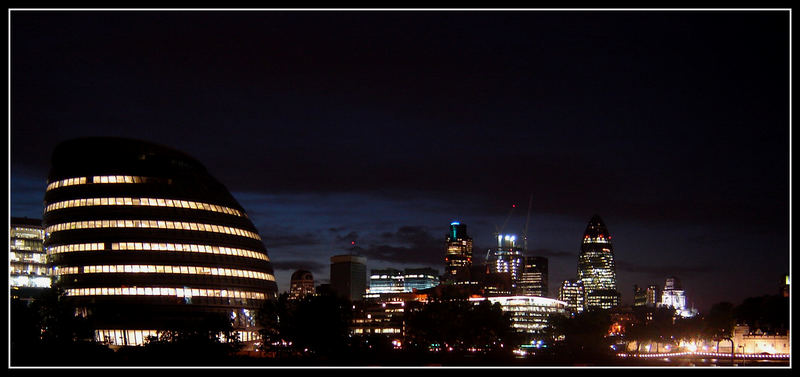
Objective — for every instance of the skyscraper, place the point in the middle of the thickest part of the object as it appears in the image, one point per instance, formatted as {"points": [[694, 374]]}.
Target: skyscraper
{"points": [[652, 296], [301, 284], [639, 296], [506, 257], [534, 277], [571, 292], [349, 276], [145, 239], [29, 273], [596, 266], [458, 254]]}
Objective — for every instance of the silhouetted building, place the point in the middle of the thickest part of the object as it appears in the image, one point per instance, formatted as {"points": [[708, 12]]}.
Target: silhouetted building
{"points": [[534, 277], [301, 284], [349, 276], [639, 296], [143, 239], [571, 292], [458, 253], [596, 264], [29, 274]]}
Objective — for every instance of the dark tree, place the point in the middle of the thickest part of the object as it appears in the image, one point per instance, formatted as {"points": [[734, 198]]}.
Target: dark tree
{"points": [[459, 324], [719, 321]]}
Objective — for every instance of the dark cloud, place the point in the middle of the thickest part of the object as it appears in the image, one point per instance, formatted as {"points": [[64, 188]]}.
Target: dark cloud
{"points": [[408, 245], [663, 270], [276, 240], [293, 265], [552, 253]]}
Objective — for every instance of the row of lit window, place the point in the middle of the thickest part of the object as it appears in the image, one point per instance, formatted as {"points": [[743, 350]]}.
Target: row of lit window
{"points": [[29, 233], [40, 258], [29, 281], [139, 337], [159, 224], [159, 269], [100, 179], [596, 240], [153, 202], [66, 182], [152, 246], [165, 291]]}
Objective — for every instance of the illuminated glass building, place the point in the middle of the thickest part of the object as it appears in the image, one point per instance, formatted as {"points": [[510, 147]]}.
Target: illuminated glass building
{"points": [[596, 265], [458, 256], [528, 314], [602, 299], [534, 277], [572, 293], [349, 276], [301, 284], [506, 258], [142, 238], [390, 280], [419, 278], [29, 273]]}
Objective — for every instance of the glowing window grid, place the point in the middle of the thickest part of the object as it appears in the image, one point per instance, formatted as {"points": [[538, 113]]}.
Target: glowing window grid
{"points": [[152, 202], [165, 291], [161, 269], [157, 224]]}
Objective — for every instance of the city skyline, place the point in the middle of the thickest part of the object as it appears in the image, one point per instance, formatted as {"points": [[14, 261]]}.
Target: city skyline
{"points": [[382, 128]]}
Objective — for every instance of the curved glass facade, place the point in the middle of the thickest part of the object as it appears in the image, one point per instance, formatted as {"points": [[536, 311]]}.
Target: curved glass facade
{"points": [[596, 266], [141, 238]]}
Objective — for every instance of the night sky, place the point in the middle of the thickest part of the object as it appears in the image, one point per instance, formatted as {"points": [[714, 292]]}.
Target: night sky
{"points": [[383, 127]]}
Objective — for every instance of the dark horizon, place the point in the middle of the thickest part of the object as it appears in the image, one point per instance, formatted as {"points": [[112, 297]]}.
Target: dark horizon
{"points": [[382, 127]]}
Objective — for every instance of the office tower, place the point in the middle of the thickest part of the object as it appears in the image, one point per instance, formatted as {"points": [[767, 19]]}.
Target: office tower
{"points": [[419, 278], [652, 296], [596, 265], [301, 284], [602, 299], [29, 273], [387, 280], [639, 296], [572, 292], [349, 276], [458, 254], [390, 280], [534, 277], [506, 258], [529, 314], [144, 239]]}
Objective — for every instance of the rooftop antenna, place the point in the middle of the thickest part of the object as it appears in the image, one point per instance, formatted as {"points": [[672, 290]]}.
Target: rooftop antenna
{"points": [[527, 220]]}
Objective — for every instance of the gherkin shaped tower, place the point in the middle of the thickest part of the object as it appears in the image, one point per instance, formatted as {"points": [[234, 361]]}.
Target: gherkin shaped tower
{"points": [[596, 266], [142, 239]]}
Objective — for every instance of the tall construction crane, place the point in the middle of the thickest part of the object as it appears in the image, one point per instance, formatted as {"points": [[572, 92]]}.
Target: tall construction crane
{"points": [[527, 220]]}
